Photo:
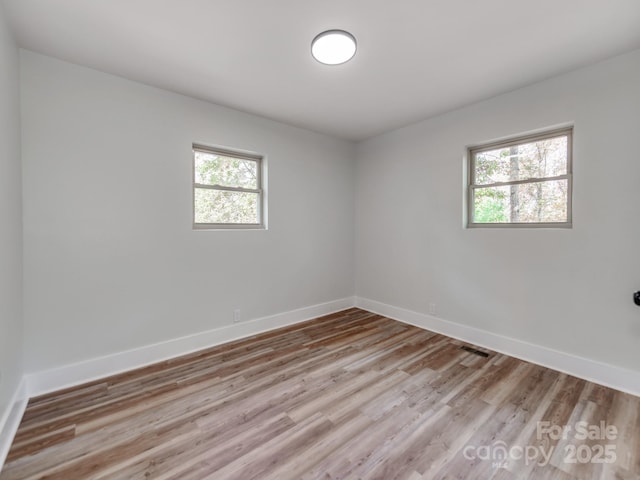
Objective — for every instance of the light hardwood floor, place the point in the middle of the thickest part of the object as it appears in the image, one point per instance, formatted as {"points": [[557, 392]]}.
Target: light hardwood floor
{"points": [[349, 395]]}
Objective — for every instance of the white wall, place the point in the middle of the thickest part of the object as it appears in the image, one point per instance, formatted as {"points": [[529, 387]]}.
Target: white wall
{"points": [[569, 290], [111, 260], [10, 223]]}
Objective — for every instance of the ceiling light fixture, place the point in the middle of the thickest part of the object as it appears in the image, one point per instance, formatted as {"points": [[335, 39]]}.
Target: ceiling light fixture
{"points": [[333, 47]]}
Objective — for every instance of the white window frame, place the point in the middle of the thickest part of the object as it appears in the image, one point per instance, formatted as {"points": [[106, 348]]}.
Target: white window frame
{"points": [[471, 183], [227, 152]]}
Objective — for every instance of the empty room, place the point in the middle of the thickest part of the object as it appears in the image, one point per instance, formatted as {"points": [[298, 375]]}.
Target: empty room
{"points": [[289, 240]]}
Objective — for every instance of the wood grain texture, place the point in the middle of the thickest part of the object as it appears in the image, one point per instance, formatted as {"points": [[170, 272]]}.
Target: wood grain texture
{"points": [[352, 395]]}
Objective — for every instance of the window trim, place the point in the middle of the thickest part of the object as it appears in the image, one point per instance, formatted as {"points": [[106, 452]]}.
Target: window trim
{"points": [[242, 155], [471, 185]]}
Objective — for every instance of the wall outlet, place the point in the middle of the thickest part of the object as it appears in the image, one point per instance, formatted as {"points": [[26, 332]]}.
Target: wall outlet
{"points": [[432, 309], [236, 315]]}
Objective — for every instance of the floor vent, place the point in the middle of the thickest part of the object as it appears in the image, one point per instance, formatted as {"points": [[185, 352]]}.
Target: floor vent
{"points": [[475, 351]]}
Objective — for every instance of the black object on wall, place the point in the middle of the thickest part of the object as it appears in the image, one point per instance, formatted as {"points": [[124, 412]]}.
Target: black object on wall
{"points": [[636, 298]]}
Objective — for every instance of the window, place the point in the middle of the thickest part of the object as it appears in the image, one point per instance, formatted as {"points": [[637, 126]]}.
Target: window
{"points": [[227, 189], [522, 182]]}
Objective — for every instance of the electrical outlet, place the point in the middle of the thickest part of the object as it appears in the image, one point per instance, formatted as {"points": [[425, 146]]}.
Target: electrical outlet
{"points": [[432, 309], [236, 315]]}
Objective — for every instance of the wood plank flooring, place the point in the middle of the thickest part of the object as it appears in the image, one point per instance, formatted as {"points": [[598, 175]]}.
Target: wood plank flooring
{"points": [[352, 395]]}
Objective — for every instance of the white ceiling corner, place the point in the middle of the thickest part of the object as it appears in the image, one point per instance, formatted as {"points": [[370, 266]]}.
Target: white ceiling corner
{"points": [[415, 59]]}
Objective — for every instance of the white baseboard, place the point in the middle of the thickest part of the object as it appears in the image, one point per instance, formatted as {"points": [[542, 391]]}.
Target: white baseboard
{"points": [[46, 381], [604, 374], [11, 419]]}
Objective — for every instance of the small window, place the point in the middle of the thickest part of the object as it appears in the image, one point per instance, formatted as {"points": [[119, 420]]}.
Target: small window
{"points": [[227, 189], [522, 182]]}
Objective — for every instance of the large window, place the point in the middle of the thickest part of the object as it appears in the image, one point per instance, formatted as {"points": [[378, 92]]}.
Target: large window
{"points": [[522, 182], [227, 189]]}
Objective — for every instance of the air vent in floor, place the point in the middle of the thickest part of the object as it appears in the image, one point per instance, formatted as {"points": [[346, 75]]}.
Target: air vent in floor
{"points": [[475, 351]]}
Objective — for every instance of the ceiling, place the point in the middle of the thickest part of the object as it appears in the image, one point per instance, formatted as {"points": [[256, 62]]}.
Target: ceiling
{"points": [[415, 59]]}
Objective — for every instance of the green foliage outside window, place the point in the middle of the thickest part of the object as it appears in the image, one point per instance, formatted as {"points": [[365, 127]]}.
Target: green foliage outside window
{"points": [[226, 189]]}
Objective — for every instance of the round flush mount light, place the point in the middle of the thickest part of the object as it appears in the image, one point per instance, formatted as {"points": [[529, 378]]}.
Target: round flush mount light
{"points": [[333, 47]]}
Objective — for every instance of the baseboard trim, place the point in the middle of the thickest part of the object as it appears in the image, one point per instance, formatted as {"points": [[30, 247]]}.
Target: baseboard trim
{"points": [[47, 381], [611, 376], [11, 419]]}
